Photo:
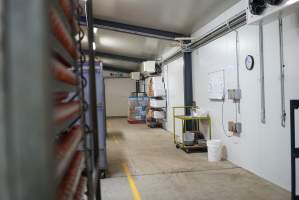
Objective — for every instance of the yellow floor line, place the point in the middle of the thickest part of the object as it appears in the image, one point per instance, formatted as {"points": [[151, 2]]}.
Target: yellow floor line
{"points": [[115, 140], [108, 124], [135, 192]]}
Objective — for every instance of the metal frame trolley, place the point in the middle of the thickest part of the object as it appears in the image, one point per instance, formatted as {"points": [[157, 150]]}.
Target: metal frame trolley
{"points": [[193, 124]]}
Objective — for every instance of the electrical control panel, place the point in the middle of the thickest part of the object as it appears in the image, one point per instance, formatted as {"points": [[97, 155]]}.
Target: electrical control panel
{"points": [[268, 10], [234, 94]]}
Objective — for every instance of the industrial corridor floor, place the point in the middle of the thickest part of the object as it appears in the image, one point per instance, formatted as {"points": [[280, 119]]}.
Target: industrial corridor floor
{"points": [[144, 164]]}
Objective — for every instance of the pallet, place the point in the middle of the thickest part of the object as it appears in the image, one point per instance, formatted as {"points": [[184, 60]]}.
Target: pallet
{"points": [[136, 121]]}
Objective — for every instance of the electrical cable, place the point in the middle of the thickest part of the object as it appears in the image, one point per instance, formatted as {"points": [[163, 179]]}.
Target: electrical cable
{"points": [[237, 60], [224, 131]]}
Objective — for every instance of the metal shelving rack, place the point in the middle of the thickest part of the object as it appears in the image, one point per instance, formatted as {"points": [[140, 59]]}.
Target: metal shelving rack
{"points": [[48, 150]]}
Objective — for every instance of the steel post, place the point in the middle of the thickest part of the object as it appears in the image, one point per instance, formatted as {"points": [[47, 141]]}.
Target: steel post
{"points": [[28, 100], [92, 92]]}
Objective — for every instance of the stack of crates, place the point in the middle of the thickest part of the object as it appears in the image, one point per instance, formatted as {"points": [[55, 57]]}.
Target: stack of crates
{"points": [[137, 109]]}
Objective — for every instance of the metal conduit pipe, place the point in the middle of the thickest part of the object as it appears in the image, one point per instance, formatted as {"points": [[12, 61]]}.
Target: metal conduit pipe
{"points": [[230, 25], [93, 96], [282, 74], [262, 74], [225, 28]]}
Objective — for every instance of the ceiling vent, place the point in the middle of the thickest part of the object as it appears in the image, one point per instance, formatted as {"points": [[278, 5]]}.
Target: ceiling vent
{"points": [[266, 11], [257, 7], [274, 2]]}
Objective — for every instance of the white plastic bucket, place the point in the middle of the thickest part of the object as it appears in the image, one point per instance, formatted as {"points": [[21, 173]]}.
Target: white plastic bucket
{"points": [[214, 150]]}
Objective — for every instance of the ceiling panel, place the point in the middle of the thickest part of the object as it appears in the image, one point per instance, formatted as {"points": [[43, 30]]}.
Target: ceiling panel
{"points": [[181, 16], [130, 45]]}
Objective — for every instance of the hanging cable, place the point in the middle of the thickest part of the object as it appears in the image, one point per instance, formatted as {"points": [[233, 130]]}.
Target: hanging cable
{"points": [[222, 120]]}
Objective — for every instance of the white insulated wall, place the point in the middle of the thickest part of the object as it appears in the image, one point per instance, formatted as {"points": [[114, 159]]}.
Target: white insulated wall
{"points": [[263, 149], [174, 82], [117, 92]]}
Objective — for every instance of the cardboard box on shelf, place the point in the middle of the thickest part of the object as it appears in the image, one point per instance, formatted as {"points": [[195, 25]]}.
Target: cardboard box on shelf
{"points": [[156, 87], [137, 109], [148, 67], [156, 114], [155, 103], [135, 76]]}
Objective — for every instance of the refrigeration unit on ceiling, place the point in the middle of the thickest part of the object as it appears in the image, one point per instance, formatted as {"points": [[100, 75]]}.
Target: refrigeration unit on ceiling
{"points": [[268, 10]]}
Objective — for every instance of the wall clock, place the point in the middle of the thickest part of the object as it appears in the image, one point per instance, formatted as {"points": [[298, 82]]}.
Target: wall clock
{"points": [[249, 62]]}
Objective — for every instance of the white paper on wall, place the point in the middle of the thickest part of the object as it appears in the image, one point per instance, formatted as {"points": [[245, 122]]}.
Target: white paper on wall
{"points": [[216, 85]]}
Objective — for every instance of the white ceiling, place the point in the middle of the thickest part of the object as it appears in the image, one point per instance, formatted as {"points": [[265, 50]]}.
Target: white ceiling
{"points": [[180, 16], [131, 45]]}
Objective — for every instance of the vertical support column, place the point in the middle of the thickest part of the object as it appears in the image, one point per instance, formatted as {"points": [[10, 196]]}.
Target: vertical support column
{"points": [[137, 87], [28, 100], [188, 89], [3, 135], [93, 94]]}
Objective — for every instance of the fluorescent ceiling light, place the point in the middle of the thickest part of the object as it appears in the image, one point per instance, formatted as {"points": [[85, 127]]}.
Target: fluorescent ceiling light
{"points": [[94, 46], [95, 30], [106, 41]]}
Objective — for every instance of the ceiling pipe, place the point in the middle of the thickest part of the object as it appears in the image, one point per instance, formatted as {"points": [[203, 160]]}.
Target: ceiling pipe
{"points": [[116, 69], [230, 25], [117, 57]]}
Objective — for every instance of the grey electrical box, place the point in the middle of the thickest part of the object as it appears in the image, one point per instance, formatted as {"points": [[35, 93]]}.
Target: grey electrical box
{"points": [[238, 127], [235, 127], [234, 94]]}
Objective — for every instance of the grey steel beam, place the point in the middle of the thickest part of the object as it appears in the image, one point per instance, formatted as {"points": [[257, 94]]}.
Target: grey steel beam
{"points": [[188, 89], [132, 29], [3, 133], [93, 97], [116, 69], [117, 57], [120, 57], [28, 101]]}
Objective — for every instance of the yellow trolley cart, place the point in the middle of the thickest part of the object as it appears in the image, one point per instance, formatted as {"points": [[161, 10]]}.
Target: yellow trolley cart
{"points": [[194, 121]]}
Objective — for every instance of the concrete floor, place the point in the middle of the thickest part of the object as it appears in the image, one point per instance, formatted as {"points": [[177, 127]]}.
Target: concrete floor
{"points": [[162, 172]]}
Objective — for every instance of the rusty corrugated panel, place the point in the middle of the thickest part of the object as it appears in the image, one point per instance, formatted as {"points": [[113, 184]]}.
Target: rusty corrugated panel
{"points": [[81, 190], [63, 74], [66, 148], [61, 33], [68, 186], [66, 111], [66, 6], [67, 9], [60, 96]]}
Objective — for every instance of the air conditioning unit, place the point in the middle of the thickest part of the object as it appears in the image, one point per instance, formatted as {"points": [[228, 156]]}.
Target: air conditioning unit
{"points": [[268, 10], [148, 67], [135, 76]]}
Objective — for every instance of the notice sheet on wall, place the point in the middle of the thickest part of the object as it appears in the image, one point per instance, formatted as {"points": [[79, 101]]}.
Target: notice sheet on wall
{"points": [[216, 85]]}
